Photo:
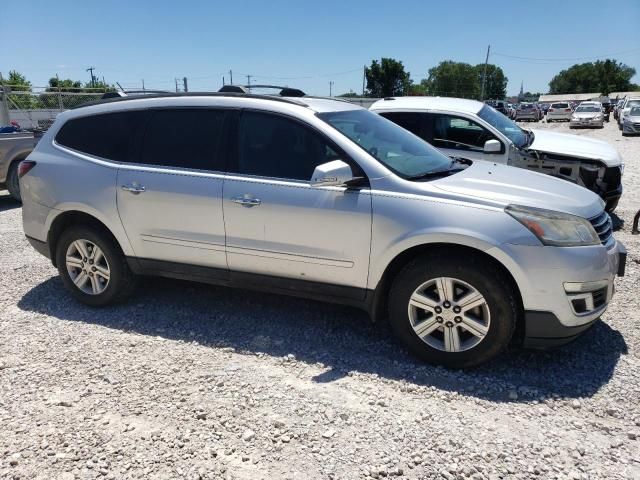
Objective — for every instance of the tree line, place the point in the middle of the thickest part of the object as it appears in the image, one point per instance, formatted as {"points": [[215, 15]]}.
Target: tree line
{"points": [[387, 78]]}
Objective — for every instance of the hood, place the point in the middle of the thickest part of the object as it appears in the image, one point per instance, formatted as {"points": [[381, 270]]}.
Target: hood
{"points": [[505, 185], [575, 146]]}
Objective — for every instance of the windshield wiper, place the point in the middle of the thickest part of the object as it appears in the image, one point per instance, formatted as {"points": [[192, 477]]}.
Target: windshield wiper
{"points": [[436, 173]]}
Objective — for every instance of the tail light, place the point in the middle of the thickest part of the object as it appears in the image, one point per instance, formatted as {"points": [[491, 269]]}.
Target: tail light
{"points": [[551, 110], [567, 109], [24, 167]]}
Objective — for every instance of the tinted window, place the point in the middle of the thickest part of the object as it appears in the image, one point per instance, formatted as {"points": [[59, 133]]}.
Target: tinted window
{"points": [[560, 105], [107, 135], [275, 146], [409, 121], [187, 138], [459, 133]]}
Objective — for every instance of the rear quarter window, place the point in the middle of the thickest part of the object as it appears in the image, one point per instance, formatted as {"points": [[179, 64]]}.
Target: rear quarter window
{"points": [[109, 135]]}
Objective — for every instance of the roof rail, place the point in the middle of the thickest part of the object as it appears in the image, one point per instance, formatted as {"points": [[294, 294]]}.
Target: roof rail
{"points": [[284, 91], [116, 99]]}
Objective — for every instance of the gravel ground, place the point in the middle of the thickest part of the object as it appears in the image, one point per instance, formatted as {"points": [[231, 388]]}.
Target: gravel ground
{"points": [[192, 381]]}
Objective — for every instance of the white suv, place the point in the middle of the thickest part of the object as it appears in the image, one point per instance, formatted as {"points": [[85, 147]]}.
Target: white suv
{"points": [[473, 130], [318, 198]]}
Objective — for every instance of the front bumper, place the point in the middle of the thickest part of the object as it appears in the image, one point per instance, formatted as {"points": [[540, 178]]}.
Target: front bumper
{"points": [[632, 128], [586, 123], [587, 301]]}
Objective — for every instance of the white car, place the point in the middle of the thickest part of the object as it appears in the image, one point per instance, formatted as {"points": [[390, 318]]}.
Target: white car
{"points": [[587, 114], [473, 130], [559, 112], [625, 108]]}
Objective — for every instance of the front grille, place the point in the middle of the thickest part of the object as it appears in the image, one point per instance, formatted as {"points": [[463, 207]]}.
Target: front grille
{"points": [[603, 227]]}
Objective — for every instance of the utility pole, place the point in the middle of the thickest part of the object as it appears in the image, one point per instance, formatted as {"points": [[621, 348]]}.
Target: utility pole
{"points": [[330, 88], [60, 105], [231, 77], [184, 83], [249, 81], [484, 75], [176, 84], [364, 77], [223, 80], [91, 69], [143, 89]]}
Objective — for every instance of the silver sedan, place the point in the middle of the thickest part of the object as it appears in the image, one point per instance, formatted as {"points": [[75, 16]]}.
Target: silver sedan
{"points": [[631, 122], [588, 114]]}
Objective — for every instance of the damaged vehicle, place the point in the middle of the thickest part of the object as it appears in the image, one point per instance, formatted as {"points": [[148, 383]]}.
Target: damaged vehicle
{"points": [[470, 129]]}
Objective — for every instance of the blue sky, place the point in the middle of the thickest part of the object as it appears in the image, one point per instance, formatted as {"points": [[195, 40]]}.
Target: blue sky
{"points": [[307, 44]]}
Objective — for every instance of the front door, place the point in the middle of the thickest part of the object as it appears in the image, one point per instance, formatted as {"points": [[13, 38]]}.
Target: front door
{"points": [[278, 225], [170, 199]]}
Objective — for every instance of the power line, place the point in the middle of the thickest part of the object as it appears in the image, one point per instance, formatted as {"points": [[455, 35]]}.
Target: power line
{"points": [[566, 59]]}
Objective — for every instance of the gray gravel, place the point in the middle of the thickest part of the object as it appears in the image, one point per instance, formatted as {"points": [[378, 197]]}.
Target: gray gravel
{"points": [[192, 381]]}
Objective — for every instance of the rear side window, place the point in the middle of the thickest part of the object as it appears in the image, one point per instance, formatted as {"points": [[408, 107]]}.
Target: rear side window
{"points": [[110, 135], [412, 121], [185, 138], [275, 146]]}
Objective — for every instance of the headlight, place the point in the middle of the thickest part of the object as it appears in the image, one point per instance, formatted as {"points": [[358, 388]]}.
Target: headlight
{"points": [[555, 228]]}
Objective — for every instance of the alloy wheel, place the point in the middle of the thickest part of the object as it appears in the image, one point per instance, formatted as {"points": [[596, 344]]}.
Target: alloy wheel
{"points": [[88, 267], [449, 314]]}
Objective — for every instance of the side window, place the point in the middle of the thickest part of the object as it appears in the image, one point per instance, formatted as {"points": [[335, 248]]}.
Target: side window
{"points": [[108, 135], [275, 146], [411, 121], [459, 133], [185, 138]]}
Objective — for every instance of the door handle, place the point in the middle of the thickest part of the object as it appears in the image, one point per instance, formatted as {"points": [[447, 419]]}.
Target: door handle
{"points": [[135, 189], [246, 201]]}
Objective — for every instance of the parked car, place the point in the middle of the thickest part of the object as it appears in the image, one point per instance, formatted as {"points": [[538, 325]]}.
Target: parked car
{"points": [[587, 114], [560, 111], [470, 129], [321, 198], [527, 111], [625, 108], [631, 123], [499, 105], [544, 108], [511, 111], [617, 107], [14, 147]]}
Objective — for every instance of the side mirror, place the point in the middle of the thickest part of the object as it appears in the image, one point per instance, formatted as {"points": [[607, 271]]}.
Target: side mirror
{"points": [[332, 174], [492, 146]]}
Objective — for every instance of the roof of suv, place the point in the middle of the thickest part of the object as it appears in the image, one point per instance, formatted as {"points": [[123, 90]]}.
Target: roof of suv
{"points": [[428, 103], [317, 104]]}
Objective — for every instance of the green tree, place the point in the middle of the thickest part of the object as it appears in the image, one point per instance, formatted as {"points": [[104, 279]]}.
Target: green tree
{"points": [[602, 76], [66, 85], [452, 79], [19, 83], [387, 78], [495, 86]]}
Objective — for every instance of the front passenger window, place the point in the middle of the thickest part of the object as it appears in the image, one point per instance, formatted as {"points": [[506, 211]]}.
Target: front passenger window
{"points": [[275, 146], [459, 133]]}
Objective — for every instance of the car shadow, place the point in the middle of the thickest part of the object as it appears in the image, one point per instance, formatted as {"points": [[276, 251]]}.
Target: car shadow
{"points": [[342, 339], [7, 202], [616, 222]]}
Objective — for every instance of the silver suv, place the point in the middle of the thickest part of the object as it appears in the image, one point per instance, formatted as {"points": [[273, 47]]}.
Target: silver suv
{"points": [[323, 199]]}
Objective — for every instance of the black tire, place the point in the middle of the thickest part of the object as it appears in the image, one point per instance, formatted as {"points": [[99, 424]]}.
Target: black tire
{"points": [[122, 281], [482, 275], [13, 182]]}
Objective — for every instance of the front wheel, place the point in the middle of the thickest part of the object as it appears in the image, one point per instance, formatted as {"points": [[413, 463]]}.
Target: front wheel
{"points": [[92, 266], [451, 312]]}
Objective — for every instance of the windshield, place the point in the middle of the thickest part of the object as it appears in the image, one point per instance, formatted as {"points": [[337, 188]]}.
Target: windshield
{"points": [[635, 111], [393, 146], [631, 103], [505, 125], [588, 108]]}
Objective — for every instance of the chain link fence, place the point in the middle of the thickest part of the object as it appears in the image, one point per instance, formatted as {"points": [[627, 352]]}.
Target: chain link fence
{"points": [[37, 107]]}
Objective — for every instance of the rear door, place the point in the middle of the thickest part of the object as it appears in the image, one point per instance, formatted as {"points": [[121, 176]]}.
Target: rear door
{"points": [[170, 194]]}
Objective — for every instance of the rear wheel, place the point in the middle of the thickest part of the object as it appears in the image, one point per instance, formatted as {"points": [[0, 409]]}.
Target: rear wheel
{"points": [[452, 313], [13, 182], [92, 267]]}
